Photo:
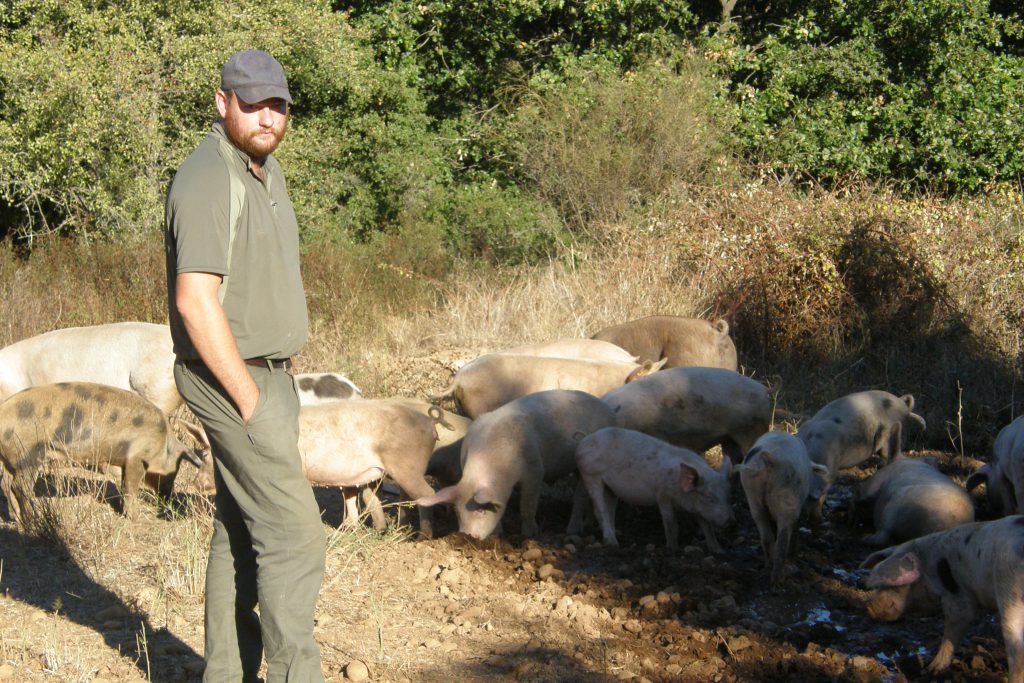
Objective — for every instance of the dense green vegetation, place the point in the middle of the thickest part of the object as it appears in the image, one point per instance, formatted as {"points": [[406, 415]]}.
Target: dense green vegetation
{"points": [[444, 119]]}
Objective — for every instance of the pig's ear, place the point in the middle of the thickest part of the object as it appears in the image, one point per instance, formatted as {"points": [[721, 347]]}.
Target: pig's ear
{"points": [[979, 477], [196, 431], [688, 478], [194, 457], [445, 495], [819, 469], [876, 557], [909, 400], [900, 569]]}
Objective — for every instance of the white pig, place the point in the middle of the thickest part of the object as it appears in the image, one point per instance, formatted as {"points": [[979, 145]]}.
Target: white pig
{"points": [[851, 429], [1004, 475], [966, 569], [909, 498], [622, 464], [776, 477], [523, 443], [695, 408]]}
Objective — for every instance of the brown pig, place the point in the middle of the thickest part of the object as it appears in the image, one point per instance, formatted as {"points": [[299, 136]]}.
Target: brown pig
{"points": [[523, 443], [1004, 475], [90, 424], [682, 342], [494, 379], [909, 498], [777, 477], [966, 569], [695, 408], [621, 464]]}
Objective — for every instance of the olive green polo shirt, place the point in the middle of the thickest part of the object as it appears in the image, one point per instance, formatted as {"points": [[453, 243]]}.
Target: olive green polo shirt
{"points": [[264, 300]]}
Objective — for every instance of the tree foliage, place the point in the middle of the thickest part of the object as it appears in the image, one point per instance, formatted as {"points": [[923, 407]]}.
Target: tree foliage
{"points": [[409, 116]]}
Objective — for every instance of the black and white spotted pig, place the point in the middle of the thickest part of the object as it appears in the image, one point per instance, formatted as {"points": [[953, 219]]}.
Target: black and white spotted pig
{"points": [[315, 388], [969, 568], [90, 424]]}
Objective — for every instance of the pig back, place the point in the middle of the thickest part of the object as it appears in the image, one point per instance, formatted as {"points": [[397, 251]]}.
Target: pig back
{"points": [[89, 423], [537, 430], [692, 407], [911, 498], [339, 441]]}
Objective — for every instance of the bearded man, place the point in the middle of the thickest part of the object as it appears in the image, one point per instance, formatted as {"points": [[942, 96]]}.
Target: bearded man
{"points": [[238, 314]]}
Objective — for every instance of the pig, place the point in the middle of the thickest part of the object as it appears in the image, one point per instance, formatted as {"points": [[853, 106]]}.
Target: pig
{"points": [[446, 462], [523, 443], [695, 408], [350, 444], [1004, 475], [622, 464], [910, 498], [134, 356], [965, 569], [315, 388], [89, 424], [776, 477], [682, 342], [851, 429], [581, 349], [494, 379]]}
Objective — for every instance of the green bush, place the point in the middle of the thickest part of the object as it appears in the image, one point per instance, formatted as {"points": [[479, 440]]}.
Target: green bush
{"points": [[102, 101], [600, 146], [923, 93]]}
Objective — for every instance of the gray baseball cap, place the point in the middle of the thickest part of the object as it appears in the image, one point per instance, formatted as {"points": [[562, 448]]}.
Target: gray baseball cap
{"points": [[254, 76]]}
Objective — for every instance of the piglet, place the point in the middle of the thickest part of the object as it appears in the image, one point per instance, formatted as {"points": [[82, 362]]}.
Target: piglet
{"points": [[776, 477], [971, 567], [909, 498], [616, 463]]}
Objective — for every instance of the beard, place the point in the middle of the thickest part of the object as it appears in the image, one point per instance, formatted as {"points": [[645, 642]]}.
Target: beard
{"points": [[255, 143]]}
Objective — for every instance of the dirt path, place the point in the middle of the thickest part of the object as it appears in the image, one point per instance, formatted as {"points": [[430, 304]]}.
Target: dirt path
{"points": [[109, 601]]}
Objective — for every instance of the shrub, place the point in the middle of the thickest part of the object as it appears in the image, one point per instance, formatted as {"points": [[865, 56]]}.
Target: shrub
{"points": [[602, 145]]}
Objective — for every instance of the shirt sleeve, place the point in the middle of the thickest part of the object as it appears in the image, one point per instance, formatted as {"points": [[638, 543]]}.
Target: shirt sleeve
{"points": [[198, 204]]}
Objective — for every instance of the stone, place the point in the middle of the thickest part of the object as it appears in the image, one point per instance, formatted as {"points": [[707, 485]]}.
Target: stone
{"points": [[356, 671]]}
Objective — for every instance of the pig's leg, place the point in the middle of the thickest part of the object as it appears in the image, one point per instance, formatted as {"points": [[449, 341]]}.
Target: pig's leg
{"points": [[413, 488], [529, 498], [1012, 623], [668, 520], [709, 536], [372, 504], [781, 552], [580, 499], [764, 530], [602, 510], [131, 478], [348, 493], [879, 538], [958, 616]]}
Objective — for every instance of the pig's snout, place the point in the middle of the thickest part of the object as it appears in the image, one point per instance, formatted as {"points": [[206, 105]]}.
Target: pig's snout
{"points": [[886, 605]]}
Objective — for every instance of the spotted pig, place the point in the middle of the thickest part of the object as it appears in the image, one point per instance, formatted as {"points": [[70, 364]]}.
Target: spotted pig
{"points": [[973, 567], [90, 424]]}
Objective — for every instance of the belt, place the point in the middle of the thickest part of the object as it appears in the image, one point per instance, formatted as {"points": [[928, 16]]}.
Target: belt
{"points": [[270, 363]]}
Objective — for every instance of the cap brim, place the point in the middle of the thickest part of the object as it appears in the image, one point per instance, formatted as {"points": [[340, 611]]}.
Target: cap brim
{"points": [[251, 94]]}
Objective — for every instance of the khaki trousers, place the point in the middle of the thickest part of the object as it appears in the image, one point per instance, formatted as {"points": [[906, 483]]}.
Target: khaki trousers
{"points": [[268, 546]]}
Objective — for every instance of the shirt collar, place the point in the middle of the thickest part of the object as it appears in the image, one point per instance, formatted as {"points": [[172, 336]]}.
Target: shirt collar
{"points": [[243, 158]]}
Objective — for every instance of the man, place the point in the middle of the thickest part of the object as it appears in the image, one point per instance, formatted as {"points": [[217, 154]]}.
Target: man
{"points": [[238, 314]]}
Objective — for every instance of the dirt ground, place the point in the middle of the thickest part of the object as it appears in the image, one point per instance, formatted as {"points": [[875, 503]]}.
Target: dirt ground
{"points": [[105, 600]]}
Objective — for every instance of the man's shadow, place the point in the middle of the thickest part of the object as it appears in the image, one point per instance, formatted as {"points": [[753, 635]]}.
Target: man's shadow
{"points": [[42, 573]]}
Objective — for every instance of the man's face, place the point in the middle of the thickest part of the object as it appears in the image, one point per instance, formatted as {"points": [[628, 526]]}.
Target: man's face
{"points": [[256, 129]]}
